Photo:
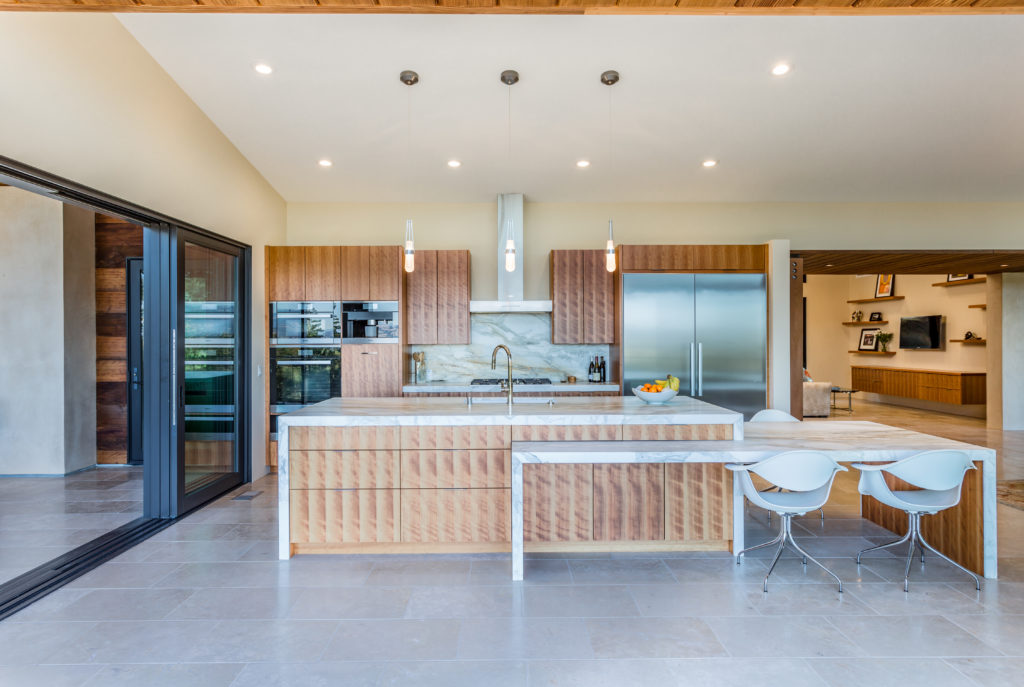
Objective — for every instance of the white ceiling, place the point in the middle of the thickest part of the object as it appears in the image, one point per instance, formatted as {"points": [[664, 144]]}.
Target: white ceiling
{"points": [[875, 109]]}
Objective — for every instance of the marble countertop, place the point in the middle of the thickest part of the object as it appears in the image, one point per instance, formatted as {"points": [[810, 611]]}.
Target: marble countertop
{"points": [[568, 410], [844, 440], [465, 388]]}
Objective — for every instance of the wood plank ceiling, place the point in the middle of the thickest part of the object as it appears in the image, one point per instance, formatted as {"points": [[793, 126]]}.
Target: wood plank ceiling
{"points": [[911, 261], [761, 7]]}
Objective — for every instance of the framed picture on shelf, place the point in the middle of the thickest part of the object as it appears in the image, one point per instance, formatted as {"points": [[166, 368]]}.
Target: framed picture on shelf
{"points": [[868, 340], [883, 285], [875, 317], [959, 277]]}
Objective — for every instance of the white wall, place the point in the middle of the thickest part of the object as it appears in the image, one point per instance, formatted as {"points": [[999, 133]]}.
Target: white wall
{"points": [[79, 97], [1013, 351]]}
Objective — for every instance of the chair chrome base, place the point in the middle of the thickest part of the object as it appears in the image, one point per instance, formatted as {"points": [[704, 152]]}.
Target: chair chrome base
{"points": [[917, 542], [786, 536]]}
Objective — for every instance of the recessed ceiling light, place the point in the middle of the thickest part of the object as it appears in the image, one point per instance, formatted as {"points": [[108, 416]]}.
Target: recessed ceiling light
{"points": [[325, 163], [710, 163], [262, 68], [582, 163], [781, 69], [454, 163]]}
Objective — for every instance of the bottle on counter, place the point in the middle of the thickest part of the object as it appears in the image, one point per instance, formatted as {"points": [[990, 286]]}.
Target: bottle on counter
{"points": [[591, 371], [602, 371]]}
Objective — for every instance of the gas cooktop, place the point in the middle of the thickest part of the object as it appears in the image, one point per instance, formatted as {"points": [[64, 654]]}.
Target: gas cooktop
{"points": [[519, 380]]}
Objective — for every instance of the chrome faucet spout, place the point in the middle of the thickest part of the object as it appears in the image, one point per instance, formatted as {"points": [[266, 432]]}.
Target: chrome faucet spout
{"points": [[494, 362]]}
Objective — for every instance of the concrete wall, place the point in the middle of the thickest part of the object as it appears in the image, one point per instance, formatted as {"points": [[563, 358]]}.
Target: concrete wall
{"points": [[79, 281], [81, 98]]}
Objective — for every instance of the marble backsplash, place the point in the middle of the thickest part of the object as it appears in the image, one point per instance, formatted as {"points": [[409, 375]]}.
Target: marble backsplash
{"points": [[528, 336]]}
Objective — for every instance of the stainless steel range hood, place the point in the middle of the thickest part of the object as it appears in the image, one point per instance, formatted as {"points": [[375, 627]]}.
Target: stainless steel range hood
{"points": [[510, 284]]}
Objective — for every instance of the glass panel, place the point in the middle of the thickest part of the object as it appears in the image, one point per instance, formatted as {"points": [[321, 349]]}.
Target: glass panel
{"points": [[211, 363]]}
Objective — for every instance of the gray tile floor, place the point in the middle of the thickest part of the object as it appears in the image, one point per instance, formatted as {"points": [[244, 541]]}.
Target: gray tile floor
{"points": [[206, 603], [44, 517]]}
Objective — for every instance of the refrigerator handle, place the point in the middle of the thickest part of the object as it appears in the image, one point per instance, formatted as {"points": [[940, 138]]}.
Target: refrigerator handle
{"points": [[700, 369], [693, 369]]}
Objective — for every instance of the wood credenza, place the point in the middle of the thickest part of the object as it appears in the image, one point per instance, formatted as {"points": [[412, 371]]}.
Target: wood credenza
{"points": [[959, 388], [445, 489]]}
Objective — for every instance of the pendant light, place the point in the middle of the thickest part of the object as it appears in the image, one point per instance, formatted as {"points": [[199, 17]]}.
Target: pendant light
{"points": [[610, 78], [409, 78], [510, 77]]}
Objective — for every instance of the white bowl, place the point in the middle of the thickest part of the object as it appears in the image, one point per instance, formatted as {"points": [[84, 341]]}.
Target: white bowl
{"points": [[655, 397]]}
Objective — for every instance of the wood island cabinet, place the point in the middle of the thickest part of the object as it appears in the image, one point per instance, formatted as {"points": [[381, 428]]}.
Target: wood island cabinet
{"points": [[437, 298], [582, 298]]}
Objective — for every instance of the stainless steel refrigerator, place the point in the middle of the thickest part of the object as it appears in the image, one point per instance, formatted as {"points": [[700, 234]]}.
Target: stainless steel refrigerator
{"points": [[710, 330]]}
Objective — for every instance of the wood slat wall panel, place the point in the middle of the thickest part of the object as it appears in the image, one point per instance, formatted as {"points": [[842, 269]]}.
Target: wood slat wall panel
{"points": [[456, 515], [111, 279], [629, 502], [467, 469], [111, 348], [335, 516], [111, 371], [344, 469], [558, 503], [468, 437], [598, 299], [385, 273], [343, 438], [567, 433], [355, 273], [676, 432], [698, 502], [421, 323], [111, 302], [567, 306], [956, 532], [286, 273], [111, 457], [322, 276], [453, 294]]}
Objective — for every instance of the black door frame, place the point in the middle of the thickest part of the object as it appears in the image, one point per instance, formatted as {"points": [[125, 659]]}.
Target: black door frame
{"points": [[133, 267]]}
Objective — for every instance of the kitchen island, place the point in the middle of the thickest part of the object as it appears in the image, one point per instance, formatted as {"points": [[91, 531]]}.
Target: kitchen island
{"points": [[433, 475]]}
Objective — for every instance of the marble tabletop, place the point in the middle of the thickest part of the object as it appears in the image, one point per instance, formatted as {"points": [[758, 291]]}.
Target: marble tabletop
{"points": [[457, 387]]}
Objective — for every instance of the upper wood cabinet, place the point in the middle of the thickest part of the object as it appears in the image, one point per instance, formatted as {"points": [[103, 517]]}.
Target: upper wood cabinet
{"points": [[437, 298], [371, 273], [582, 298], [683, 258], [303, 273]]}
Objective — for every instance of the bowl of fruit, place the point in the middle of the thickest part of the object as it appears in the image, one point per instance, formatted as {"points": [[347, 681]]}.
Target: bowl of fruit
{"points": [[660, 391]]}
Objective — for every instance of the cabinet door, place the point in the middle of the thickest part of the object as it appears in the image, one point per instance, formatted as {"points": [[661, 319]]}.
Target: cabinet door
{"points": [[385, 275], [371, 370], [323, 273], [286, 273], [421, 300], [567, 296], [355, 273], [598, 299], [453, 297]]}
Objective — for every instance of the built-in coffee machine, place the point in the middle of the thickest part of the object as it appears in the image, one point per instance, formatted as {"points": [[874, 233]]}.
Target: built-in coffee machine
{"points": [[369, 322]]}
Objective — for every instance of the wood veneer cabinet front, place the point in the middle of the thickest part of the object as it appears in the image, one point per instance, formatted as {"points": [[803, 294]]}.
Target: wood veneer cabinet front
{"points": [[303, 273], [323, 273], [369, 370], [582, 298], [959, 388], [371, 273], [688, 258], [437, 298]]}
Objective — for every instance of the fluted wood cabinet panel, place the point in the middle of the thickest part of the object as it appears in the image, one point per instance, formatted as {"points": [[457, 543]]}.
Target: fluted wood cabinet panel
{"points": [[698, 502], [371, 370], [566, 433], [468, 437], [342, 438], [421, 300], [343, 469], [327, 516], [567, 303], [960, 388], [272, 454], [355, 273], [598, 299], [286, 273], [453, 293], [715, 258], [676, 432], [385, 273], [465, 469], [558, 503], [456, 515], [956, 532], [322, 273], [629, 502]]}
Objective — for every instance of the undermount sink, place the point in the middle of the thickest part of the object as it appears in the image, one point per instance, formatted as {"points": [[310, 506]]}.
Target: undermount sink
{"points": [[515, 401]]}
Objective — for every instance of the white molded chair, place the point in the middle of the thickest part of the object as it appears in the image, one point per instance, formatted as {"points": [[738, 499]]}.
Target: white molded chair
{"points": [[806, 477], [774, 415], [939, 476]]}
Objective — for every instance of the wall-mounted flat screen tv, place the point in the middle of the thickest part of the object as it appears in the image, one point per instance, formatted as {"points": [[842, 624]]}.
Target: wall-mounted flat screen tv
{"points": [[921, 333]]}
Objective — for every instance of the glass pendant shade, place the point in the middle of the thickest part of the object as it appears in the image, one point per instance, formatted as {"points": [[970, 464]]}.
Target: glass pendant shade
{"points": [[510, 247], [609, 251], [410, 251]]}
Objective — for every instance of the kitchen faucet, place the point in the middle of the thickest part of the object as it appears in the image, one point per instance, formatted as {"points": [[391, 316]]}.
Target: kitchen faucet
{"points": [[494, 360]]}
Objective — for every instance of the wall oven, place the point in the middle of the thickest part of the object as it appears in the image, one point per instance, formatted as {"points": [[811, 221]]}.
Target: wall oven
{"points": [[306, 323], [369, 322]]}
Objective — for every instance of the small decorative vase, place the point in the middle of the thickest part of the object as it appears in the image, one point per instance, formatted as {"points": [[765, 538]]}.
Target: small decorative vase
{"points": [[884, 346]]}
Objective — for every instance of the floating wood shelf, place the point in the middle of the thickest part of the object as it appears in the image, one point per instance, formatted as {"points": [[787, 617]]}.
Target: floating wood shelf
{"points": [[980, 306], [962, 282], [874, 352], [970, 342], [862, 322], [876, 300]]}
